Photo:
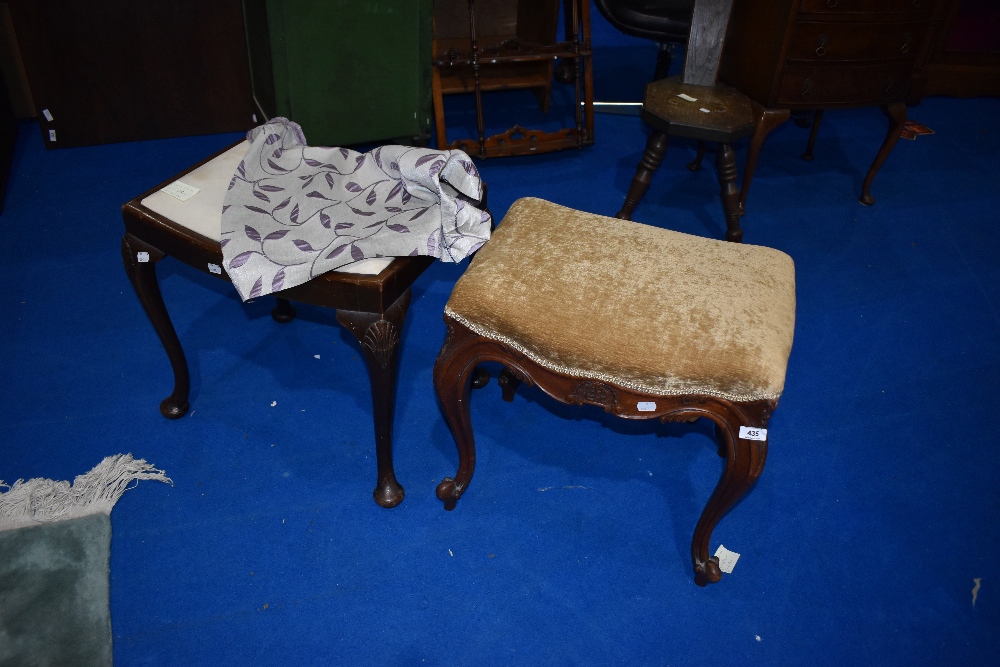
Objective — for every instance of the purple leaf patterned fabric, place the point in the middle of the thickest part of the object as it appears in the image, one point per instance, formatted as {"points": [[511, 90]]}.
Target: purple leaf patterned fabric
{"points": [[293, 212]]}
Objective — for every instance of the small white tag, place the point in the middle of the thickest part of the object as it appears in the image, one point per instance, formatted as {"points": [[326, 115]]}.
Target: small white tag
{"points": [[748, 433], [214, 268], [142, 257], [727, 559], [704, 110], [47, 114], [687, 98], [52, 135], [254, 118], [180, 190], [646, 406]]}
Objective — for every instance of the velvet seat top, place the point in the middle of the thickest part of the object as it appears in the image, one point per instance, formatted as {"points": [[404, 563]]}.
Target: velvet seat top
{"points": [[644, 308]]}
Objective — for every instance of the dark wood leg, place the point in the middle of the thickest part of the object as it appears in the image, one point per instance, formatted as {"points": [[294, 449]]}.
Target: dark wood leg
{"points": [[437, 98], [283, 311], [508, 384], [813, 131], [566, 68], [543, 97], [725, 161], [480, 378], [720, 442], [695, 164], [767, 120], [142, 275], [379, 338], [801, 117], [453, 372], [663, 59], [896, 113], [744, 463], [656, 147]]}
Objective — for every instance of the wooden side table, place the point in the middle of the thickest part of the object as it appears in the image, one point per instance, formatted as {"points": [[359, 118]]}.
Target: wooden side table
{"points": [[822, 54]]}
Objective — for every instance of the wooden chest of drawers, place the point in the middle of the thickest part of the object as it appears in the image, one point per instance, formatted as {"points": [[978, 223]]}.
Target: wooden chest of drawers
{"points": [[819, 54]]}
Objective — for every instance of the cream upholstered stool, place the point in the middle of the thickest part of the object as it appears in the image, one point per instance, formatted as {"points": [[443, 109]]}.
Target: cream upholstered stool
{"points": [[371, 296], [644, 322]]}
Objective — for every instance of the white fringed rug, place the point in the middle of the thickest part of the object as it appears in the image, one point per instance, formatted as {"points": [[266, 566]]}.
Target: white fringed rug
{"points": [[55, 548]]}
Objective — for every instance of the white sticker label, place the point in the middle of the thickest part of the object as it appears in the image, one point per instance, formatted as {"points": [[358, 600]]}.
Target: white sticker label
{"points": [[646, 406], [214, 268], [47, 114], [704, 110], [749, 433], [727, 559], [180, 190], [52, 135], [687, 98], [143, 257], [254, 118]]}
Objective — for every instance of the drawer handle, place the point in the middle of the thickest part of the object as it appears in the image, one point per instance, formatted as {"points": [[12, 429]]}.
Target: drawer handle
{"points": [[890, 83], [807, 87], [905, 48], [821, 49], [833, 3]]}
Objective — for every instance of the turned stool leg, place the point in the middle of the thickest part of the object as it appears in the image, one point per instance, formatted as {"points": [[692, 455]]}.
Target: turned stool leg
{"points": [[142, 275], [725, 162], [656, 147], [744, 463], [379, 338]]}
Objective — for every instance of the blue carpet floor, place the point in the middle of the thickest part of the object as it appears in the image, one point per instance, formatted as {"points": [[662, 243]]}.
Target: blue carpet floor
{"points": [[876, 511]]}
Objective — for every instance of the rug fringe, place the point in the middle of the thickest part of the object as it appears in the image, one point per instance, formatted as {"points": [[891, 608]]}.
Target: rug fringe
{"points": [[42, 500]]}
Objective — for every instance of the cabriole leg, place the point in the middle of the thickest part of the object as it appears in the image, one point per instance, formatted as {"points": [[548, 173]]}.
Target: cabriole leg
{"points": [[379, 338], [142, 275], [453, 373], [744, 463], [767, 120], [896, 113]]}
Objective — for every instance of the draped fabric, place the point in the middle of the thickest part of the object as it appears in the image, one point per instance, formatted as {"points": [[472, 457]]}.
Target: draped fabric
{"points": [[293, 212]]}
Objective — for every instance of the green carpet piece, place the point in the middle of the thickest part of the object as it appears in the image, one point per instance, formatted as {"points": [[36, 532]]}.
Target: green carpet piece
{"points": [[55, 549]]}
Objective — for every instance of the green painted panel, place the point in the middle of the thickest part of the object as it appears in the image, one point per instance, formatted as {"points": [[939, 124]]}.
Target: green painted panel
{"points": [[348, 71]]}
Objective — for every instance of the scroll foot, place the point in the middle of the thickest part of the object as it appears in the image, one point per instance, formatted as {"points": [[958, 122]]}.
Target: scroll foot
{"points": [[708, 572]]}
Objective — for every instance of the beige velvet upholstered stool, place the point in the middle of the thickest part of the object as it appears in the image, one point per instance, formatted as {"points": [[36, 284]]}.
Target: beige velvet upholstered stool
{"points": [[370, 296], [644, 322]]}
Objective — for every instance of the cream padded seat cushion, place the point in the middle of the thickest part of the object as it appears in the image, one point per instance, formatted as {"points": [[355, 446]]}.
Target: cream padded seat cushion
{"points": [[202, 213], [641, 307]]}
